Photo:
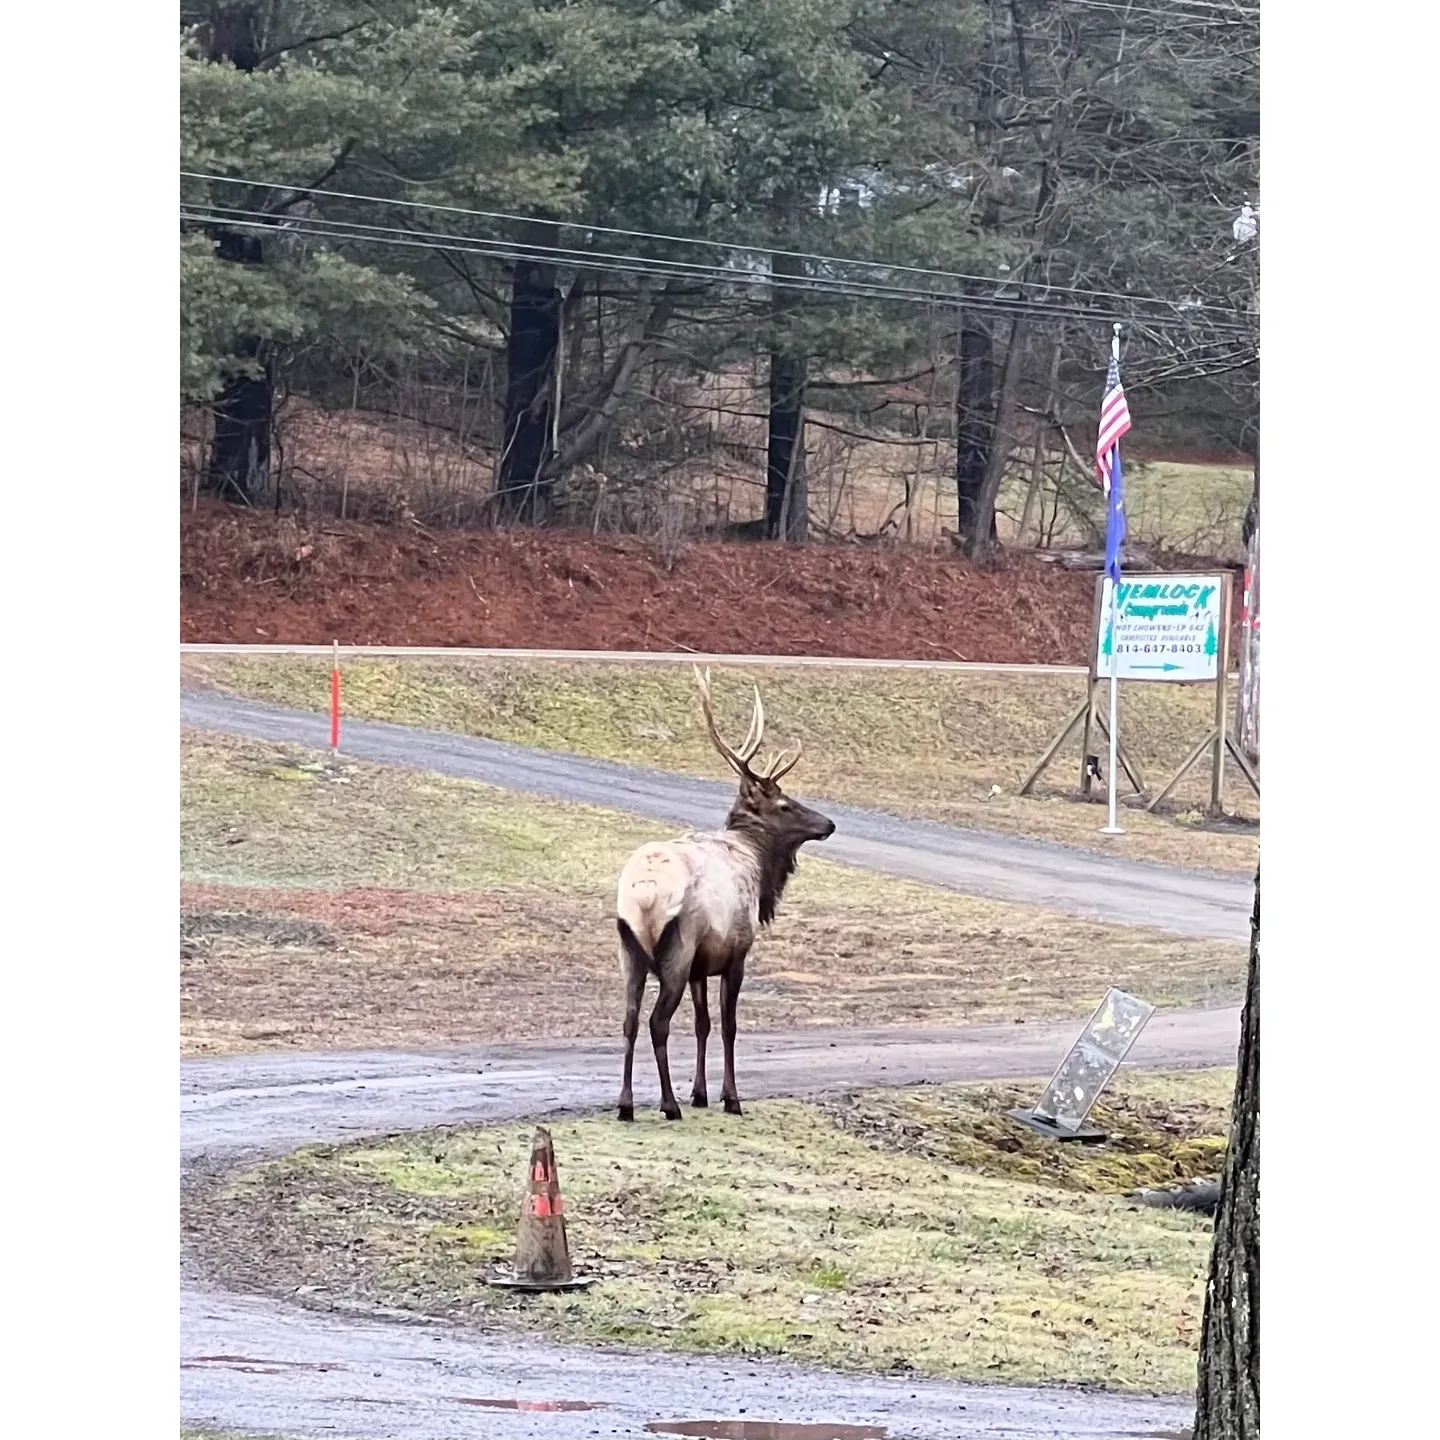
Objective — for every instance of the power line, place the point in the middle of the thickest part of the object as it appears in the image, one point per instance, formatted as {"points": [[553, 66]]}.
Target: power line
{"points": [[605, 260], [1217, 8], [713, 275], [724, 245], [355, 232]]}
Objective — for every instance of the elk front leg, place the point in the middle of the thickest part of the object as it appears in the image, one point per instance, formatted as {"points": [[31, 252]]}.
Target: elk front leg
{"points": [[730, 983], [672, 991], [700, 994], [634, 993]]}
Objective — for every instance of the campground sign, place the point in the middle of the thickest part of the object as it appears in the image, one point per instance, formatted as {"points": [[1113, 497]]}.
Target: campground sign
{"points": [[1167, 627]]}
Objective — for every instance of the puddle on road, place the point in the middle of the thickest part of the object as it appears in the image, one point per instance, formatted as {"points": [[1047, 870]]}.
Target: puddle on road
{"points": [[765, 1430], [249, 1366], [529, 1404]]}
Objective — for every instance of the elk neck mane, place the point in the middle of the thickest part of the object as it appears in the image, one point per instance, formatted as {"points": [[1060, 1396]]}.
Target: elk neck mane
{"points": [[774, 858]]}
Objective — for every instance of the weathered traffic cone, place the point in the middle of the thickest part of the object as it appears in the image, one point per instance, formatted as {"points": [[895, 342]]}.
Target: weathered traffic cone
{"points": [[542, 1252]]}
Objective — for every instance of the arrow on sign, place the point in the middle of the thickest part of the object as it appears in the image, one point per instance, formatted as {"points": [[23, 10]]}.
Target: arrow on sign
{"points": [[1166, 666]]}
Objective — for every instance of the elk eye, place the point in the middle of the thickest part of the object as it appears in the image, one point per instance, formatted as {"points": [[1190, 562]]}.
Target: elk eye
{"points": [[782, 804]]}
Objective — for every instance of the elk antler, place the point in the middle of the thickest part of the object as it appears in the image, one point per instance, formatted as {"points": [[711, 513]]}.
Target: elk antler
{"points": [[739, 759], [777, 770]]}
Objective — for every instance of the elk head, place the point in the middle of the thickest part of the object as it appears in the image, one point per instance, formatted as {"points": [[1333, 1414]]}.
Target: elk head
{"points": [[762, 808]]}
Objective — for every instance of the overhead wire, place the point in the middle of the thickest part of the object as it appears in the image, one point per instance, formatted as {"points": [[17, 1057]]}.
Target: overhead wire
{"points": [[725, 245], [355, 232], [1214, 10]]}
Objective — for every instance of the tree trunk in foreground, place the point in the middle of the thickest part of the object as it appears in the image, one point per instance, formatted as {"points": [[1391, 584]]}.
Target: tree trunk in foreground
{"points": [[239, 464], [524, 490], [787, 501], [983, 539], [974, 425], [1227, 1402]]}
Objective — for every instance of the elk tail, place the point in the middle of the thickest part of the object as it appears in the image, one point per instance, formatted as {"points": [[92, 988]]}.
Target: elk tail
{"points": [[664, 946]]}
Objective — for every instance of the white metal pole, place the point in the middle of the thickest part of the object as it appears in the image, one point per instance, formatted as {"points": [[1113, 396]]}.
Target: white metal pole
{"points": [[1112, 828]]}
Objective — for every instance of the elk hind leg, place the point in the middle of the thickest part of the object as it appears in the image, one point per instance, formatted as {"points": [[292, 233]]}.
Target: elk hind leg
{"points": [[700, 994], [672, 991], [634, 965], [672, 967], [730, 983]]}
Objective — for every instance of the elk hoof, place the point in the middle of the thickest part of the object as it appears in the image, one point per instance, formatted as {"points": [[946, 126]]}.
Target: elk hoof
{"points": [[673, 1114], [732, 1106], [627, 1112], [700, 1102]]}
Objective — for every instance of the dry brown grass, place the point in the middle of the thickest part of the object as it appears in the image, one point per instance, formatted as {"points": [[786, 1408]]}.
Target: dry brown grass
{"points": [[432, 461], [339, 905], [928, 744], [366, 465]]}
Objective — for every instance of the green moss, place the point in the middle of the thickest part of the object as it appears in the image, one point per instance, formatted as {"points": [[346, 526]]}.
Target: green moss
{"points": [[787, 1234], [1165, 1129]]}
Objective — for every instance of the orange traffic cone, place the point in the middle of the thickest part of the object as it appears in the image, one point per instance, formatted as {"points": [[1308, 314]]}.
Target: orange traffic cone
{"points": [[542, 1253]]}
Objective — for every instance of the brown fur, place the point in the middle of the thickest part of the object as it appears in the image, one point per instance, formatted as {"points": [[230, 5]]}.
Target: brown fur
{"points": [[690, 908]]}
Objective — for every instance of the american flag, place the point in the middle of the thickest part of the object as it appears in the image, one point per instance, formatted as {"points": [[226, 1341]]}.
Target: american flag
{"points": [[1114, 423]]}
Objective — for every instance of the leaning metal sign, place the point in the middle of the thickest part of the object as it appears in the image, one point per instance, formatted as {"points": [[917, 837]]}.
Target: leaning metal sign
{"points": [[1086, 1070], [1167, 627]]}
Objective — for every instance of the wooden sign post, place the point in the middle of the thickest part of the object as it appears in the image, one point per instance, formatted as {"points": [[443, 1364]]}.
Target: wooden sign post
{"points": [[1172, 629]]}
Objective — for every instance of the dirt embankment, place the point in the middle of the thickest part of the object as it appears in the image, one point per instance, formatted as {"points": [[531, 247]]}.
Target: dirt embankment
{"points": [[255, 578]]}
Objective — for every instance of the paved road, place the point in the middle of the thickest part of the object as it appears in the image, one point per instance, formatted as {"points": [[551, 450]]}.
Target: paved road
{"points": [[251, 1363], [1029, 872]]}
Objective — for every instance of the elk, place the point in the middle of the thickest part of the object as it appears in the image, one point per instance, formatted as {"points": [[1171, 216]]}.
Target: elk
{"points": [[690, 908]]}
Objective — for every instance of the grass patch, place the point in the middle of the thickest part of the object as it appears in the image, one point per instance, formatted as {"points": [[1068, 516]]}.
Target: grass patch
{"points": [[364, 905], [1188, 509], [1171, 505], [1164, 1129], [780, 1234], [918, 743]]}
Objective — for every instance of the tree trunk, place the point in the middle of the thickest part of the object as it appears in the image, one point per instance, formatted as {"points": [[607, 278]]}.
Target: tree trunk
{"points": [[1227, 1403], [1037, 479], [787, 514], [984, 538], [1247, 699], [596, 412], [239, 467], [787, 504], [974, 423], [523, 490], [239, 464], [236, 33]]}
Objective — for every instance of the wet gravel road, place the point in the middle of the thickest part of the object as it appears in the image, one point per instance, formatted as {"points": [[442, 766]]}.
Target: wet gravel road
{"points": [[273, 1103], [256, 1364], [259, 1365], [1086, 884]]}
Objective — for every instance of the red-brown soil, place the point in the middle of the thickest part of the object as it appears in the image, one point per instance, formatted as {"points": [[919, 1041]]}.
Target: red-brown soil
{"points": [[254, 578]]}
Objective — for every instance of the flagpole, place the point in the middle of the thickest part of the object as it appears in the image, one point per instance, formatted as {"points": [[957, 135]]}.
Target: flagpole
{"points": [[1112, 828]]}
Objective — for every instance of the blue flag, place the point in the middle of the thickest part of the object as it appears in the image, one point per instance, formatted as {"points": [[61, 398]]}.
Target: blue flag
{"points": [[1114, 423]]}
